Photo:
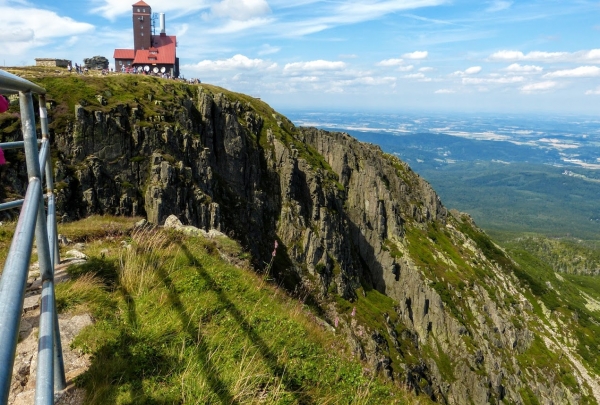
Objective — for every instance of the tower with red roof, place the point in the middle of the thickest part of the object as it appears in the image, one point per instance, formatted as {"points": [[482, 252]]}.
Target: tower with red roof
{"points": [[153, 54]]}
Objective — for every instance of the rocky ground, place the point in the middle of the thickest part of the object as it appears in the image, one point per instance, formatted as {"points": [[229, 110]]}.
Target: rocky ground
{"points": [[24, 369]]}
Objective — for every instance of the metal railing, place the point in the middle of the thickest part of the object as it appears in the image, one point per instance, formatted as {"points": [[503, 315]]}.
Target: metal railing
{"points": [[33, 220]]}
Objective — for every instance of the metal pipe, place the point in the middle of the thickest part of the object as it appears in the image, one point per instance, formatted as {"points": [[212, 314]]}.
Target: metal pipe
{"points": [[11, 204], [12, 284], [60, 382], [10, 83], [45, 375], [12, 145], [44, 379], [43, 158]]}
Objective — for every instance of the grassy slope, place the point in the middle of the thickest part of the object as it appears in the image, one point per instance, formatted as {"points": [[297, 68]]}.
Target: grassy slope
{"points": [[176, 323], [130, 367]]}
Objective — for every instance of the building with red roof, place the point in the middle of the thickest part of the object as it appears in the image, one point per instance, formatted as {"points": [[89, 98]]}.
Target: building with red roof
{"points": [[151, 53]]}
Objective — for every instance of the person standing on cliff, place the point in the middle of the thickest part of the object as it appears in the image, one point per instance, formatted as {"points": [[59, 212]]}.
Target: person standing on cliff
{"points": [[69, 67]]}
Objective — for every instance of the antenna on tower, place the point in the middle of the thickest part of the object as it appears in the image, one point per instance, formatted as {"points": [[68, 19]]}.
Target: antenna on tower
{"points": [[153, 24]]}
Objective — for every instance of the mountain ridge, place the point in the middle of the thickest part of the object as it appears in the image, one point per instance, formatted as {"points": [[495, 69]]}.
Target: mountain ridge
{"points": [[353, 223]]}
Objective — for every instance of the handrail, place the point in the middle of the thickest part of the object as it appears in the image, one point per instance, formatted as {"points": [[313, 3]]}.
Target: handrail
{"points": [[10, 83], [33, 218]]}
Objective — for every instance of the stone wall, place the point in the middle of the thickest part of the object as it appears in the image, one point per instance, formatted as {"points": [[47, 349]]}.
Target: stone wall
{"points": [[50, 62]]}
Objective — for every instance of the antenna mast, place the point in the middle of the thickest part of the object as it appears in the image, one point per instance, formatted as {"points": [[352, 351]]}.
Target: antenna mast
{"points": [[153, 24]]}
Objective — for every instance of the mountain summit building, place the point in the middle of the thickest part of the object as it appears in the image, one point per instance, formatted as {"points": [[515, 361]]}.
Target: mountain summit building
{"points": [[153, 53]]}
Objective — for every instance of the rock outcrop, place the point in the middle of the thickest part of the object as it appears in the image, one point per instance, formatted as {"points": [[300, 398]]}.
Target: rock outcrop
{"points": [[354, 225]]}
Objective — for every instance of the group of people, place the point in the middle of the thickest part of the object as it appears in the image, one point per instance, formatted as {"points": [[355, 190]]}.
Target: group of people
{"points": [[78, 68]]}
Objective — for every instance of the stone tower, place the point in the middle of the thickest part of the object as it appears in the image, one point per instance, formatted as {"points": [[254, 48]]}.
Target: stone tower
{"points": [[142, 26]]}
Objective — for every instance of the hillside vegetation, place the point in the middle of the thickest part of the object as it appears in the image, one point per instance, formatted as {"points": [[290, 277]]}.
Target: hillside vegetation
{"points": [[183, 319], [420, 293]]}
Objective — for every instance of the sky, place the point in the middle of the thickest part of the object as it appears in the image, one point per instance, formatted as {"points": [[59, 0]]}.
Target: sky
{"points": [[503, 56]]}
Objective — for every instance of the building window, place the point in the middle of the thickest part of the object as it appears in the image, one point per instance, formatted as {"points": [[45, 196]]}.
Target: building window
{"points": [[141, 26], [138, 10]]}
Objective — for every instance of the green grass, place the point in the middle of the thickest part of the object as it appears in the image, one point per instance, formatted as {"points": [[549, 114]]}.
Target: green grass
{"points": [[177, 324]]}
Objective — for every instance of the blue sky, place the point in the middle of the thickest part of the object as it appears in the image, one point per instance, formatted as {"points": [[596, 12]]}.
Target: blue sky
{"points": [[355, 55]]}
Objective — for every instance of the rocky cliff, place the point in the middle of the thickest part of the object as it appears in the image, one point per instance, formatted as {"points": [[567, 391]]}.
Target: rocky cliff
{"points": [[419, 292]]}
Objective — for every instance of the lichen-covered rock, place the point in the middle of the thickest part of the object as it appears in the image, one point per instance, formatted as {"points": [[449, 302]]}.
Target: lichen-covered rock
{"points": [[353, 224]]}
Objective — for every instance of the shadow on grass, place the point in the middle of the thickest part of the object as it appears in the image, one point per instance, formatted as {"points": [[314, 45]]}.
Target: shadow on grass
{"points": [[291, 386]]}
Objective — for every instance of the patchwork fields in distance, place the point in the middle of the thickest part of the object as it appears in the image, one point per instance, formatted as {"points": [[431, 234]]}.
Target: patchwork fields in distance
{"points": [[511, 174]]}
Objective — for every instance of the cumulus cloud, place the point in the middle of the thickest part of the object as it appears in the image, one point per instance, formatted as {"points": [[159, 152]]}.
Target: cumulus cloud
{"points": [[473, 70], [234, 63], [313, 66], [444, 91], [516, 68], [469, 71], [407, 68], [391, 62], [538, 87], [587, 56], [581, 71], [241, 10], [27, 27], [416, 55], [426, 69]]}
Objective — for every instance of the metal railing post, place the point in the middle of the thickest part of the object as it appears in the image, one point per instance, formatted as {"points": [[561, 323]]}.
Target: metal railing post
{"points": [[32, 220], [12, 285], [44, 393], [60, 381]]}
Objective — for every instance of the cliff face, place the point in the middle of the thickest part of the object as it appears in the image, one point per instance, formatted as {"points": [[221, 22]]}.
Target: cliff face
{"points": [[354, 225]]}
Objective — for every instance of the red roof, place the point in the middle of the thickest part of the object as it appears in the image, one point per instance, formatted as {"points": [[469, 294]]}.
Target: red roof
{"points": [[163, 51], [124, 54], [141, 3]]}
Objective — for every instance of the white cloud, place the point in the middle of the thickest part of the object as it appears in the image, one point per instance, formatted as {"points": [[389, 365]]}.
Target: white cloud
{"points": [[419, 76], [111, 9], [426, 69], [405, 68], [24, 28], [313, 66], [368, 80], [305, 79], [538, 87], [499, 5], [390, 62], [469, 71], [535, 55], [416, 55], [267, 49], [236, 62], [582, 71], [233, 26], [348, 56], [587, 56], [473, 70], [493, 80], [515, 67], [241, 10], [444, 91], [593, 92]]}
